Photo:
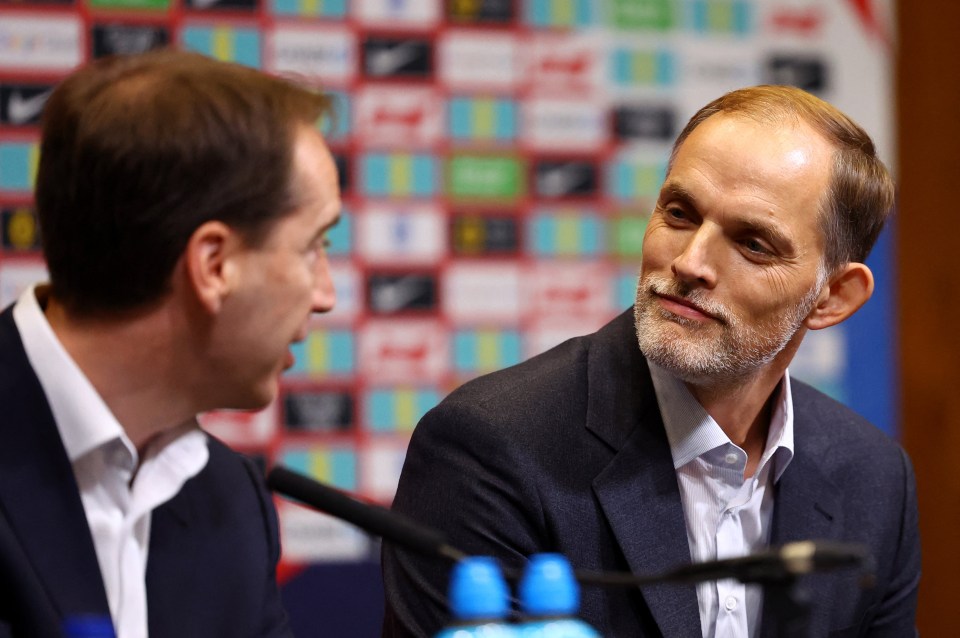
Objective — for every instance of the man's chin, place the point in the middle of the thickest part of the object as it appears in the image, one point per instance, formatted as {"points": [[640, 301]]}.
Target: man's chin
{"points": [[259, 397], [661, 344]]}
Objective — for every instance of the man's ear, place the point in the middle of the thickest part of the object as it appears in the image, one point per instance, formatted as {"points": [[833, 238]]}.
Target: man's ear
{"points": [[847, 290], [209, 264]]}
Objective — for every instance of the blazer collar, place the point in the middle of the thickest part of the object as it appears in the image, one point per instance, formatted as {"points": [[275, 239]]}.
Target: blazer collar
{"points": [[806, 507], [38, 491], [638, 489]]}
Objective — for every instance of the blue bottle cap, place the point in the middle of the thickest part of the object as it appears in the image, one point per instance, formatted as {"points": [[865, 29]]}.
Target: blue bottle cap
{"points": [[477, 589], [88, 626], [548, 587]]}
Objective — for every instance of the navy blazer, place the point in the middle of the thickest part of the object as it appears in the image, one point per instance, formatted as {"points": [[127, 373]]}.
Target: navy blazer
{"points": [[567, 453], [213, 547]]}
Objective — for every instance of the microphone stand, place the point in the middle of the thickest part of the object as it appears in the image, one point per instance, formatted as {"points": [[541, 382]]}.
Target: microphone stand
{"points": [[789, 603]]}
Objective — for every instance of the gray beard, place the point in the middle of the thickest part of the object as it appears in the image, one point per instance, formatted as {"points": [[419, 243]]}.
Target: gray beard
{"points": [[718, 352]]}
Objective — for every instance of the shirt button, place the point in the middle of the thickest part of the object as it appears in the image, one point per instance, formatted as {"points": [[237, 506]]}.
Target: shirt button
{"points": [[731, 458], [730, 603]]}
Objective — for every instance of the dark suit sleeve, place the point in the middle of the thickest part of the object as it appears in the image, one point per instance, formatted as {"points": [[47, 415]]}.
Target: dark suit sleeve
{"points": [[274, 616], [896, 611], [465, 477]]}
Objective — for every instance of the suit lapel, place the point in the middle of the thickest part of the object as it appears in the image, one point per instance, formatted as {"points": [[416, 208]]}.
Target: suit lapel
{"points": [[806, 506], [638, 489], [172, 563], [38, 491]]}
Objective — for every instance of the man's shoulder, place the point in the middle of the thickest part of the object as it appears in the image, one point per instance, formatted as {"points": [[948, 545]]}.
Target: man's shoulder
{"points": [[228, 467], [837, 432]]}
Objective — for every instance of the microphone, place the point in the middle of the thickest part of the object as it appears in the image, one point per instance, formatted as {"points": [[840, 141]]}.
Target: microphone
{"points": [[371, 518], [775, 565], [778, 564]]}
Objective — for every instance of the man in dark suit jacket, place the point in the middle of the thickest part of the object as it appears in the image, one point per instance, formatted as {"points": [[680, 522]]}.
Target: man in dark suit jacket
{"points": [[183, 204], [771, 203]]}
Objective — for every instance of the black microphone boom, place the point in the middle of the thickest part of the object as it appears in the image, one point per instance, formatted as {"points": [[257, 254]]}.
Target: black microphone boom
{"points": [[775, 565], [370, 518], [778, 564]]}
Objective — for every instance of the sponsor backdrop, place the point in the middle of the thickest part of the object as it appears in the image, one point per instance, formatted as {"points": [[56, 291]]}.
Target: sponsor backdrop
{"points": [[498, 160]]}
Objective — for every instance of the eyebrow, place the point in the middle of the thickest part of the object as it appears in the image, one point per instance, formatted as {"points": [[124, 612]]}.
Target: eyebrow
{"points": [[326, 227], [770, 231], [676, 190]]}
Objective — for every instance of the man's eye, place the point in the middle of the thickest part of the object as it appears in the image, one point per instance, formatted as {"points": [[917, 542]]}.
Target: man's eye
{"points": [[676, 214], [318, 245], [755, 246]]}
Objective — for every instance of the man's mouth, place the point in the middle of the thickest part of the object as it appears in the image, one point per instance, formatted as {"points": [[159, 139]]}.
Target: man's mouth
{"points": [[685, 307]]}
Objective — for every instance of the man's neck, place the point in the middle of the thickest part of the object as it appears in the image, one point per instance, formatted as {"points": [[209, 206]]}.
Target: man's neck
{"points": [[743, 410], [130, 362]]}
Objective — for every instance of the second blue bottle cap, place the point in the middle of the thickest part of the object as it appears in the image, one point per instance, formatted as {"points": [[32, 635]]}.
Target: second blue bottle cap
{"points": [[548, 587]]}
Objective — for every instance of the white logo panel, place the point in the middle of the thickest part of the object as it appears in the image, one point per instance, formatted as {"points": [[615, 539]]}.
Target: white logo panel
{"points": [[567, 64], [324, 53], [421, 14], [403, 351], [391, 117], [479, 292], [570, 289], [308, 536], [473, 60], [401, 234], [38, 43], [564, 125]]}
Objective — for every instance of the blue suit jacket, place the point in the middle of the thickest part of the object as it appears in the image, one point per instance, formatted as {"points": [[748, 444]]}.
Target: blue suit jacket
{"points": [[213, 547], [567, 453]]}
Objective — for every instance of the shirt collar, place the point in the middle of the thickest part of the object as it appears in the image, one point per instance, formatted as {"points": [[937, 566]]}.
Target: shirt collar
{"points": [[83, 419], [693, 433]]}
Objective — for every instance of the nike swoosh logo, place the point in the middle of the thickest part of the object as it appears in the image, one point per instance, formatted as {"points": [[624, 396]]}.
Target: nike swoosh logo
{"points": [[561, 180], [396, 295], [388, 61], [203, 4], [21, 109]]}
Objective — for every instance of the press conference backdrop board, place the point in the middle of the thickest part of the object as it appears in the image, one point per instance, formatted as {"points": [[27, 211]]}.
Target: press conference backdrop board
{"points": [[498, 161]]}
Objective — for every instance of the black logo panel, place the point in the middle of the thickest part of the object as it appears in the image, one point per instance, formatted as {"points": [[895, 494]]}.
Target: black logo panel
{"points": [[127, 39], [481, 11], [401, 292], [805, 72], [318, 411], [410, 58], [565, 178], [475, 235], [636, 122], [22, 104], [249, 5]]}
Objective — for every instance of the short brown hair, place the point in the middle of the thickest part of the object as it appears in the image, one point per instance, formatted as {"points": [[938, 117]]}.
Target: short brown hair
{"points": [[861, 194], [138, 151]]}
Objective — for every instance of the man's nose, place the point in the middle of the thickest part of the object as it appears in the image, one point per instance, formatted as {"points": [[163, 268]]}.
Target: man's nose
{"points": [[696, 263], [324, 295]]}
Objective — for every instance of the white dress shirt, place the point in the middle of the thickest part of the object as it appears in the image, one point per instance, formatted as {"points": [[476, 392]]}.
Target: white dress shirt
{"points": [[118, 489], [726, 515]]}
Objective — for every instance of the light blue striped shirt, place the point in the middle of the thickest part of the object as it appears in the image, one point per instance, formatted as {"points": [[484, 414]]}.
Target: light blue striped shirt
{"points": [[726, 515]]}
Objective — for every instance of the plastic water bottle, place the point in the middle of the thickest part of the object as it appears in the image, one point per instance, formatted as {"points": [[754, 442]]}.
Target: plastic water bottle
{"points": [[479, 601], [88, 626], [550, 598]]}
